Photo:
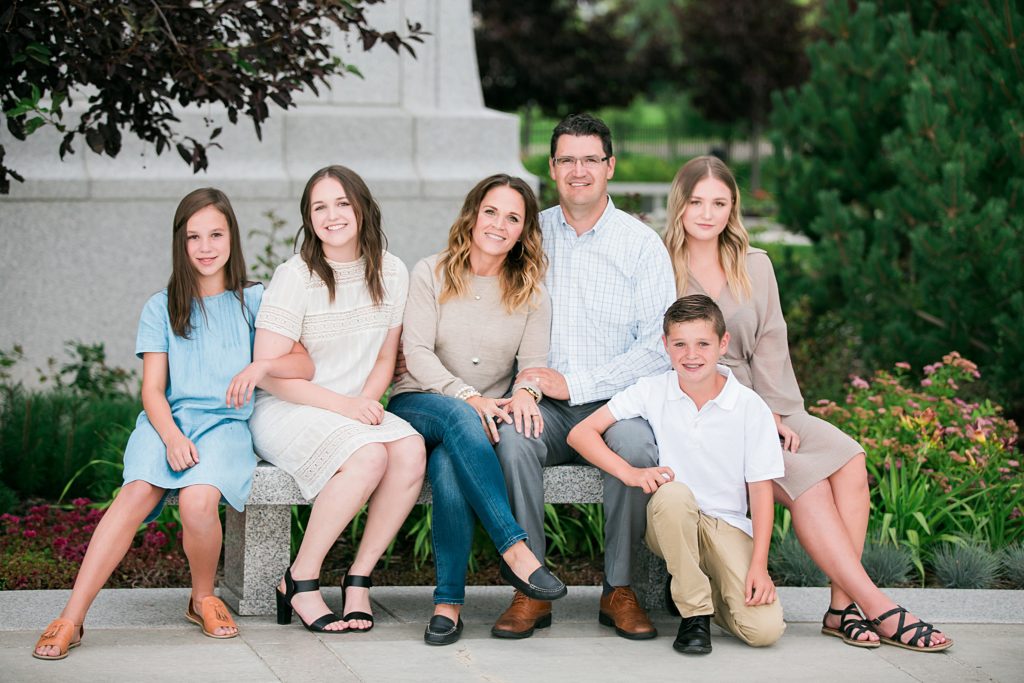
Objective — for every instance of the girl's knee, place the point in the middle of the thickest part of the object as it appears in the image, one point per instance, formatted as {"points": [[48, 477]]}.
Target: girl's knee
{"points": [[138, 493], [369, 461], [199, 505]]}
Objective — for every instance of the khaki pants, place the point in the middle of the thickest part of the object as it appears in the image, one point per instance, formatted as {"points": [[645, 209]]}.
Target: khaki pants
{"points": [[708, 560]]}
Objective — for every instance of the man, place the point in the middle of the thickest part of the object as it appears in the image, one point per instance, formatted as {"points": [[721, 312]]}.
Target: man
{"points": [[610, 281]]}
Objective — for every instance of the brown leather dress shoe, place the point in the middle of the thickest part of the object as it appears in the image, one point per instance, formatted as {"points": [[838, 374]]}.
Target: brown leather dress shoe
{"points": [[621, 610], [522, 617]]}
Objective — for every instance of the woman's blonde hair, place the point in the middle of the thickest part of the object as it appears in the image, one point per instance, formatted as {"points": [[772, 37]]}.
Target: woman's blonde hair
{"points": [[732, 242], [524, 266]]}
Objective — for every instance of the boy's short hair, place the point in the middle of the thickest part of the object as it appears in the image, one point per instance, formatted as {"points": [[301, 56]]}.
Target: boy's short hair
{"points": [[695, 307], [582, 125]]}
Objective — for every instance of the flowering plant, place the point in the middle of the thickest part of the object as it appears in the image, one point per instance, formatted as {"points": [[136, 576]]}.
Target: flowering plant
{"points": [[940, 468], [44, 548]]}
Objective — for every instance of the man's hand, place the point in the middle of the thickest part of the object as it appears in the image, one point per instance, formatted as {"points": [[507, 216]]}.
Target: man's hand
{"points": [[551, 382], [759, 588], [648, 478]]}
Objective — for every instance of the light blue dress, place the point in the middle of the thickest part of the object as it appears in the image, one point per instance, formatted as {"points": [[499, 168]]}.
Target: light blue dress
{"points": [[199, 371]]}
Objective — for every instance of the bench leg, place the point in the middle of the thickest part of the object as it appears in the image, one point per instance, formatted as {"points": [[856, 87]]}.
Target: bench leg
{"points": [[256, 553], [648, 579]]}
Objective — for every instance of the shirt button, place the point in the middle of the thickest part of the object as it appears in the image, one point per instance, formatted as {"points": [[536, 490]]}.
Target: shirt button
{"points": [[476, 361]]}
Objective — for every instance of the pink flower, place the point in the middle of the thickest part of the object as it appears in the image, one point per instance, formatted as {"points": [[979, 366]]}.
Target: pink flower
{"points": [[903, 365], [1013, 463], [80, 502], [858, 383], [926, 382], [29, 533]]}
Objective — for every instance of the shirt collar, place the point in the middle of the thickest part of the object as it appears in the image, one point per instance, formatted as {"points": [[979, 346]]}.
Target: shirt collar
{"points": [[726, 398], [609, 209]]}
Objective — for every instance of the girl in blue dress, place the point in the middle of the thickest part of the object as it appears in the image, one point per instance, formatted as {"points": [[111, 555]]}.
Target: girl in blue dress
{"points": [[195, 340]]}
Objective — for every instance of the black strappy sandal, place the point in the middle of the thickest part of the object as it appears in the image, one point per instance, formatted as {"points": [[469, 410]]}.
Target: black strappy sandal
{"points": [[920, 629], [850, 629], [285, 609], [356, 582]]}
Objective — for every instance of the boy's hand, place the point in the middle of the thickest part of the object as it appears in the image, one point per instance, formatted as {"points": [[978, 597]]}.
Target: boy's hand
{"points": [[181, 453], [648, 478], [244, 383], [759, 588]]}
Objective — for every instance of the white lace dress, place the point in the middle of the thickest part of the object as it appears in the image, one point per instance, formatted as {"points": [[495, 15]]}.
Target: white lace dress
{"points": [[343, 338]]}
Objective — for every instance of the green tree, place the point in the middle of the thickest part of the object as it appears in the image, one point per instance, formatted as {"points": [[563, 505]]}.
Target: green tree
{"points": [[735, 54], [903, 158], [134, 61]]}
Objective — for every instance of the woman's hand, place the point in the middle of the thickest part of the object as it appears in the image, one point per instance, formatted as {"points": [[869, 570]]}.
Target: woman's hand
{"points": [[244, 383], [488, 409], [790, 440], [181, 453], [525, 411], [359, 408]]}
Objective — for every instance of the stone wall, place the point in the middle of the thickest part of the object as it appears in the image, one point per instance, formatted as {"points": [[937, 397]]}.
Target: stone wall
{"points": [[86, 241]]}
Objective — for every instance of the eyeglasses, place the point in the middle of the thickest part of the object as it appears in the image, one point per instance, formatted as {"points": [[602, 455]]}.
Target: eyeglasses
{"points": [[588, 162]]}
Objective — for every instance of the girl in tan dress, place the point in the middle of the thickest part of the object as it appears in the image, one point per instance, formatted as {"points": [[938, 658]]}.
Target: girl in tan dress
{"points": [[825, 486]]}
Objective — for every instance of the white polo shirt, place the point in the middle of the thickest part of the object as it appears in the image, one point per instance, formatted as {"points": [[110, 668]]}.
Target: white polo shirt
{"points": [[715, 450]]}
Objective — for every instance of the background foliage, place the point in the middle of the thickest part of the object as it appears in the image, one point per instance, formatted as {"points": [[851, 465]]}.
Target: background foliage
{"points": [[902, 157], [134, 61]]}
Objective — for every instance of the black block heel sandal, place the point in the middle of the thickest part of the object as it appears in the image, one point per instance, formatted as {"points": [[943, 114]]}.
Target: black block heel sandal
{"points": [[285, 609]]}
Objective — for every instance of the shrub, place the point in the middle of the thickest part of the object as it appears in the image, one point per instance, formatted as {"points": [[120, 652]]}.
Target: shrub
{"points": [[1012, 558], [887, 565], [43, 549], [48, 436], [941, 468], [965, 565], [900, 157], [790, 565]]}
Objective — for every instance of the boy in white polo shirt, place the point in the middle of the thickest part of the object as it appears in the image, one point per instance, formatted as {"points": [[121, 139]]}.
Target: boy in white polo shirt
{"points": [[717, 443]]}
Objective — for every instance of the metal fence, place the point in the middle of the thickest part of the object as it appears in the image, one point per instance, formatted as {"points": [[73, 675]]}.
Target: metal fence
{"points": [[657, 141]]}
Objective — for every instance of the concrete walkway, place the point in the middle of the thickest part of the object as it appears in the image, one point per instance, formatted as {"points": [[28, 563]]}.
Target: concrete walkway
{"points": [[140, 635]]}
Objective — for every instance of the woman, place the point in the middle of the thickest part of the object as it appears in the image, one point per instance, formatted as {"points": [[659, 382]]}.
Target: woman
{"points": [[825, 486], [343, 296], [475, 311]]}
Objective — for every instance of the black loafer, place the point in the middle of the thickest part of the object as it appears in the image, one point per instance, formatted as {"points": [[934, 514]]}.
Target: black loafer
{"points": [[542, 584], [694, 636], [442, 631]]}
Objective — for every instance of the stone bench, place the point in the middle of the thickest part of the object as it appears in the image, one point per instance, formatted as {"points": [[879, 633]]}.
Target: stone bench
{"points": [[257, 541]]}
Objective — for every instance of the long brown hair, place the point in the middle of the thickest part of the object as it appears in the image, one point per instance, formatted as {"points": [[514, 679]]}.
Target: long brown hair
{"points": [[370, 234], [733, 242], [524, 266], [183, 286]]}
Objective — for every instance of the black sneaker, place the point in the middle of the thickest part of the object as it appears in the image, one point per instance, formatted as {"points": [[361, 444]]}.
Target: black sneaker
{"points": [[694, 636]]}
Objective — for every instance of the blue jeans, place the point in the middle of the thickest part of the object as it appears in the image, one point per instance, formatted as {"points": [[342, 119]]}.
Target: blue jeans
{"points": [[466, 481]]}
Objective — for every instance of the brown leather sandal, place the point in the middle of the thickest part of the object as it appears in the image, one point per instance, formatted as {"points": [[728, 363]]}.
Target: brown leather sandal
{"points": [[214, 615], [59, 633]]}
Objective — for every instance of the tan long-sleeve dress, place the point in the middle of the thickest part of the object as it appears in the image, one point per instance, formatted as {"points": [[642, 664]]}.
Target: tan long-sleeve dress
{"points": [[759, 357]]}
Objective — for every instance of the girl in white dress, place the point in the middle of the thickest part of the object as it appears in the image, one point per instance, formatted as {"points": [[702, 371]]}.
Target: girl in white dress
{"points": [[343, 296]]}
